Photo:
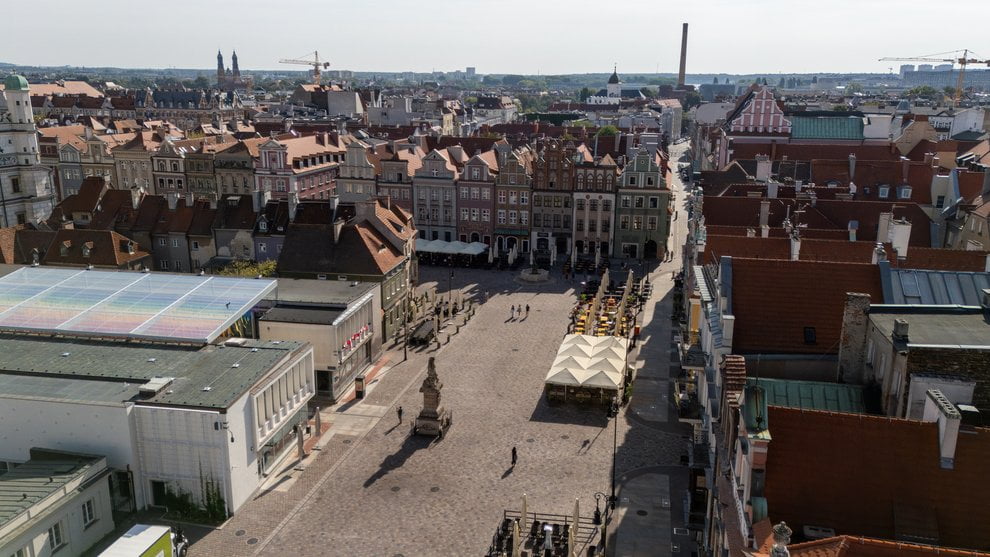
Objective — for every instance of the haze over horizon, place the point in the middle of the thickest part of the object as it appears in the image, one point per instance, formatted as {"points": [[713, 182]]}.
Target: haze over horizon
{"points": [[756, 37]]}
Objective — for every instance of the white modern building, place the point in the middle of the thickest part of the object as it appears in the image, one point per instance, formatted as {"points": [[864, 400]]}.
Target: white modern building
{"points": [[54, 502], [140, 368], [26, 192]]}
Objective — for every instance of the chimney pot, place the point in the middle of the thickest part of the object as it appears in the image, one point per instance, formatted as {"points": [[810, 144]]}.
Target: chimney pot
{"points": [[901, 329]]}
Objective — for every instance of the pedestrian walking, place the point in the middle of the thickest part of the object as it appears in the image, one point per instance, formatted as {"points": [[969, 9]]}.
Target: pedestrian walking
{"points": [[399, 412], [527, 310], [512, 311], [513, 457]]}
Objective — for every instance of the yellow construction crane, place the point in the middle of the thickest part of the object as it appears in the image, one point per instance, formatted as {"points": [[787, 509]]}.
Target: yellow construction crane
{"points": [[317, 64], [962, 61]]}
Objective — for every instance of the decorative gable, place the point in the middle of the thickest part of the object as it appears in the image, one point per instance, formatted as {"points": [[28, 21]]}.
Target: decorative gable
{"points": [[761, 115]]}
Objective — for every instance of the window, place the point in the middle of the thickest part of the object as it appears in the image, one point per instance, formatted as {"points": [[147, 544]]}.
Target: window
{"points": [[21, 218], [512, 217], [15, 184], [475, 173], [422, 194], [89, 512], [637, 223], [262, 247], [579, 225], [579, 204], [567, 221], [651, 223], [523, 198], [447, 194], [195, 246], [536, 220], [435, 194], [606, 224], [22, 552], [537, 201], [884, 191], [654, 202], [592, 226], [639, 201], [632, 180], [940, 202], [56, 536], [486, 215], [163, 264], [626, 201], [175, 242], [593, 204], [178, 265], [464, 214], [905, 192], [501, 197], [475, 193], [809, 335], [523, 217], [556, 221], [557, 201], [513, 198], [464, 193], [606, 205], [486, 194], [474, 214]]}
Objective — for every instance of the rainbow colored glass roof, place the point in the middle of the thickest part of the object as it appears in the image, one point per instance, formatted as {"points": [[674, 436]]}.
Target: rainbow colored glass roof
{"points": [[164, 307]]}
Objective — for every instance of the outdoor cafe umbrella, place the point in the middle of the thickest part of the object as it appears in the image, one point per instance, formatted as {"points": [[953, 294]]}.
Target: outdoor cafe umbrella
{"points": [[524, 511], [577, 514], [598, 255], [516, 539]]}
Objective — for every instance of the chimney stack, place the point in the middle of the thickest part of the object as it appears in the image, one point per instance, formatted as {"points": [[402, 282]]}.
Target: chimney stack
{"points": [[853, 226], [900, 329], [852, 340], [795, 246], [764, 213], [772, 189], [879, 254], [135, 197], [683, 68], [293, 205], [763, 168], [852, 167], [938, 409], [173, 199]]}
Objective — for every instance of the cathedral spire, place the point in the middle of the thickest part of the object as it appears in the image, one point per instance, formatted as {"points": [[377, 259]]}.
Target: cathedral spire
{"points": [[233, 61]]}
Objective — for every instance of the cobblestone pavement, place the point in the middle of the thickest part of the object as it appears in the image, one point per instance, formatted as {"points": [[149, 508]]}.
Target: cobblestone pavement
{"points": [[386, 492]]}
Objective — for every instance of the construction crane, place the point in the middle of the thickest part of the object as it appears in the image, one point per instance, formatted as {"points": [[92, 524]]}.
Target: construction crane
{"points": [[962, 61], [317, 64]]}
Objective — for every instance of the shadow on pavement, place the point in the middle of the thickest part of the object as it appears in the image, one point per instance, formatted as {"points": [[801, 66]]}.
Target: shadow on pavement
{"points": [[569, 413], [395, 460]]}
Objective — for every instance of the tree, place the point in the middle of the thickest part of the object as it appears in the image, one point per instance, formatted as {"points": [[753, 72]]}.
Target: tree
{"points": [[854, 88], [511, 79], [715, 81], [950, 92], [608, 131], [814, 79], [840, 108], [781, 82], [649, 92], [924, 92], [584, 94], [691, 99], [249, 269]]}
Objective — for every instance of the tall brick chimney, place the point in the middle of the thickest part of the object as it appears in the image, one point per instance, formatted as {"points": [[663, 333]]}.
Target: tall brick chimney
{"points": [[681, 71], [852, 341]]}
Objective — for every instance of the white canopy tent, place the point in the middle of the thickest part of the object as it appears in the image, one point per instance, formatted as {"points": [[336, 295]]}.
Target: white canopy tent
{"points": [[450, 248], [589, 361]]}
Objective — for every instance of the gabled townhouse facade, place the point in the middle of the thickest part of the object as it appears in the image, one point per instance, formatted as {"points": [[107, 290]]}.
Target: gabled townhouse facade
{"points": [[475, 199], [594, 205], [435, 203], [513, 192], [306, 165], [642, 210]]}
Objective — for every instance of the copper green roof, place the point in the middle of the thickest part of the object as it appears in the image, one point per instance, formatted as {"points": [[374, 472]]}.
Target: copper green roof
{"points": [[15, 82], [812, 395], [826, 127]]}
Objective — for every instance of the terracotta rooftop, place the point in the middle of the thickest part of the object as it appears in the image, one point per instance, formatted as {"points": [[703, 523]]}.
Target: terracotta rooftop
{"points": [[852, 546], [876, 476], [794, 307]]}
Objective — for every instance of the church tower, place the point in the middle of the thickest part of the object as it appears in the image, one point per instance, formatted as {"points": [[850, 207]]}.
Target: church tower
{"points": [[233, 60], [614, 86], [25, 184], [219, 70]]}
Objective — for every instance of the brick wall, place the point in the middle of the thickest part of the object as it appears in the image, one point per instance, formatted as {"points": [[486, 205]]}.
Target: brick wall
{"points": [[968, 364]]}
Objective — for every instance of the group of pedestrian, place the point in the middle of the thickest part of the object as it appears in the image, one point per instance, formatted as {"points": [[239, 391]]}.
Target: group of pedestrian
{"points": [[518, 312]]}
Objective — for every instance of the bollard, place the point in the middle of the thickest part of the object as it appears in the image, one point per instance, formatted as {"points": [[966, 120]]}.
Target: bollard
{"points": [[448, 338], [457, 329]]}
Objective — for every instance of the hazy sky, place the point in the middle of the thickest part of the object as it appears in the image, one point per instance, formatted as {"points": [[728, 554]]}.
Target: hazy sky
{"points": [[503, 36]]}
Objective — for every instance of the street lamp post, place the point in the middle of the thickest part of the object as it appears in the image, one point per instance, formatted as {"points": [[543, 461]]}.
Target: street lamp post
{"points": [[450, 287]]}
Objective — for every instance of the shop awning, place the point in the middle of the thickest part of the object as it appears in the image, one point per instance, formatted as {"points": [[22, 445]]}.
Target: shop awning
{"points": [[450, 248]]}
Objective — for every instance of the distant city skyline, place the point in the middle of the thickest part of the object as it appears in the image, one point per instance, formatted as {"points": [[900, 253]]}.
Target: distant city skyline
{"points": [[514, 36]]}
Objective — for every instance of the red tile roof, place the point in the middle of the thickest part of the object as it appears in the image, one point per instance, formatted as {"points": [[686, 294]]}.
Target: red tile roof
{"points": [[807, 152], [825, 214], [774, 301], [876, 476], [852, 546]]}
